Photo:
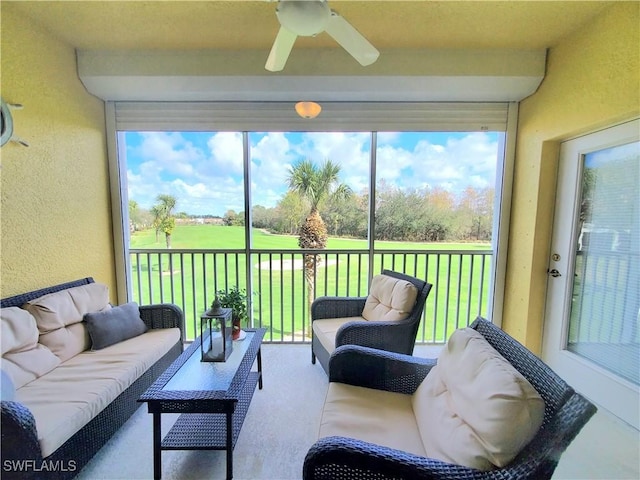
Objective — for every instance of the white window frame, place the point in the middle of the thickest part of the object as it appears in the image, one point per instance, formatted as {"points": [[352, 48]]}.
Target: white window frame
{"points": [[336, 116]]}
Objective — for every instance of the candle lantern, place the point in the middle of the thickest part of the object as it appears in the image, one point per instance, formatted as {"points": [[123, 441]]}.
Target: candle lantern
{"points": [[216, 329]]}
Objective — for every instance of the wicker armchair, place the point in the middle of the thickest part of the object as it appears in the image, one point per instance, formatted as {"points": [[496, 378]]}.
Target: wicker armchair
{"points": [[396, 336], [336, 458]]}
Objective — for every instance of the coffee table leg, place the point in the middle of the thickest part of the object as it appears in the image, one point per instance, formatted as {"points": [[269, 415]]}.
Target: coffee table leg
{"points": [[157, 459], [229, 445]]}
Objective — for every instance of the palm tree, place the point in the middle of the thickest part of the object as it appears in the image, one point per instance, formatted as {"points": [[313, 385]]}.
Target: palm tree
{"points": [[166, 221], [133, 215], [315, 185], [156, 212]]}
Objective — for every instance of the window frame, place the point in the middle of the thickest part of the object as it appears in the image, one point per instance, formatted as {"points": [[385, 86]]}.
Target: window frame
{"points": [[336, 116]]}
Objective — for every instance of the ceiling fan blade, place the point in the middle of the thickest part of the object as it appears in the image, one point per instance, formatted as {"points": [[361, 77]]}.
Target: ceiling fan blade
{"points": [[280, 50], [351, 40]]}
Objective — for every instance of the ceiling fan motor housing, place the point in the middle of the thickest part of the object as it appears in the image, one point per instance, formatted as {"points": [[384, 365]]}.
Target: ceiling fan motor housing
{"points": [[303, 17]]}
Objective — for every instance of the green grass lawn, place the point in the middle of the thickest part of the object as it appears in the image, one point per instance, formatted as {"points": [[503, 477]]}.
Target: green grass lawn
{"points": [[221, 237], [279, 301]]}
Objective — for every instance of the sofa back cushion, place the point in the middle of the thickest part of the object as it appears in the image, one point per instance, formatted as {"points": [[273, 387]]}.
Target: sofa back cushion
{"points": [[474, 408], [390, 299], [23, 358], [59, 317]]}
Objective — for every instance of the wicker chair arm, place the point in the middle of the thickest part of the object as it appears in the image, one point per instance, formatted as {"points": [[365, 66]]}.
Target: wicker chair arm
{"points": [[337, 307], [391, 336], [163, 315], [341, 458], [379, 369], [19, 434]]}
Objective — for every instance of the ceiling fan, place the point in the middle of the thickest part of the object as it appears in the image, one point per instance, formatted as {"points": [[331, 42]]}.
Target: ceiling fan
{"points": [[307, 18]]}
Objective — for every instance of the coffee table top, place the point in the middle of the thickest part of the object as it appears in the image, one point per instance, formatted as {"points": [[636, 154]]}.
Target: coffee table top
{"points": [[188, 378]]}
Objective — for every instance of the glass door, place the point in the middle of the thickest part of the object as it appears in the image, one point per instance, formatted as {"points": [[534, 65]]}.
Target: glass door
{"points": [[593, 309]]}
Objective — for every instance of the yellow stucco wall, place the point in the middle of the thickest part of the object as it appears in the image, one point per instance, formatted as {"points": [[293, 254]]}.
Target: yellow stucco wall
{"points": [[55, 211], [592, 81]]}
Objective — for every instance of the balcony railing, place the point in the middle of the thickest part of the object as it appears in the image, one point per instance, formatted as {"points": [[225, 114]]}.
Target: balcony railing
{"points": [[279, 299]]}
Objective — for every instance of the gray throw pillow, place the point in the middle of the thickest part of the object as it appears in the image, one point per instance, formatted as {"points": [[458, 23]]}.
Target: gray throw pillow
{"points": [[114, 325]]}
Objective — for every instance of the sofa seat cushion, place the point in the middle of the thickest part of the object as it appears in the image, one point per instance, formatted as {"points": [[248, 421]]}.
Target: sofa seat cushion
{"points": [[68, 397], [389, 299], [474, 408], [59, 317], [23, 358], [374, 416], [327, 328]]}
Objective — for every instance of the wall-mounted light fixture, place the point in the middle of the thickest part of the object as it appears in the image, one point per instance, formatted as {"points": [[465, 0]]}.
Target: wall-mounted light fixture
{"points": [[308, 109], [6, 123]]}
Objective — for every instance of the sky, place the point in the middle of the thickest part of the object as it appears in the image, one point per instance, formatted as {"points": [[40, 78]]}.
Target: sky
{"points": [[203, 171]]}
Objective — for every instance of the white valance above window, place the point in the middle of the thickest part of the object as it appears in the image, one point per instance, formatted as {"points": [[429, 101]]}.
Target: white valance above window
{"points": [[335, 116]]}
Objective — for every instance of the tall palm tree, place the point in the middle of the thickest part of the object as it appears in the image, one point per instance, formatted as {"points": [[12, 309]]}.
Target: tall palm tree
{"points": [[315, 184], [167, 221]]}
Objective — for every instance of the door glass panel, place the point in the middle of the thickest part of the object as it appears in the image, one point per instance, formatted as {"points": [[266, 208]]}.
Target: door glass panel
{"points": [[605, 307]]}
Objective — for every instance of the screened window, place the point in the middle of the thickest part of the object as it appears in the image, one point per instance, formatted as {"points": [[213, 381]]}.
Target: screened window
{"points": [[216, 197]]}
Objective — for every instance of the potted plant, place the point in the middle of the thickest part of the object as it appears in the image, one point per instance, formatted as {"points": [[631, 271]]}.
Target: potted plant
{"points": [[236, 300]]}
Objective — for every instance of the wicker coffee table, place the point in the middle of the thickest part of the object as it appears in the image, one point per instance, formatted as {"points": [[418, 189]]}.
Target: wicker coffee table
{"points": [[212, 396]]}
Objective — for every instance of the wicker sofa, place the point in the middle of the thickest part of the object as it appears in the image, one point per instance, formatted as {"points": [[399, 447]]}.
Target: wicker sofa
{"points": [[95, 390], [370, 442]]}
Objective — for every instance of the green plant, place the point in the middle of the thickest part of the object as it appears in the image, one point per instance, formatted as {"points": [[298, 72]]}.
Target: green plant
{"points": [[235, 299]]}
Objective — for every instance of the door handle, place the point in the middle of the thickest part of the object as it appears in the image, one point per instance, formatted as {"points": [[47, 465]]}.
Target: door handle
{"points": [[554, 273]]}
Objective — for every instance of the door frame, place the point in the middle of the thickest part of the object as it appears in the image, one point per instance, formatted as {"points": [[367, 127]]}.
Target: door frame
{"points": [[613, 393]]}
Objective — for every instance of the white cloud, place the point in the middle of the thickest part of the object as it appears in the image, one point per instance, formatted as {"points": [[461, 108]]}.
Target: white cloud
{"points": [[169, 152], [204, 171], [226, 153], [461, 161]]}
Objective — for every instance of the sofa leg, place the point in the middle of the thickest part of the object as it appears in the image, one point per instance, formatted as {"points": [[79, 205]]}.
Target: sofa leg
{"points": [[313, 358]]}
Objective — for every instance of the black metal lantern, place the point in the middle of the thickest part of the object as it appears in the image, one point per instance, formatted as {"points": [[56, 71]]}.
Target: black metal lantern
{"points": [[216, 329]]}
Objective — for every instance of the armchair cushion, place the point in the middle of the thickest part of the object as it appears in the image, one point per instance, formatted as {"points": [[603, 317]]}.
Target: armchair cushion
{"points": [[390, 299], [375, 416], [327, 329], [474, 408]]}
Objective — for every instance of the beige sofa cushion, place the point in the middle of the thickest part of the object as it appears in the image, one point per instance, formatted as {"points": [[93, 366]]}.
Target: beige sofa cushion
{"points": [[390, 299], [474, 408], [23, 358], [19, 330], [59, 317], [327, 328], [67, 398], [375, 416]]}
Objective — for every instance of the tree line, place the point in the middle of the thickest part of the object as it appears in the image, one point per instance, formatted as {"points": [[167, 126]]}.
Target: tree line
{"points": [[420, 215], [315, 194]]}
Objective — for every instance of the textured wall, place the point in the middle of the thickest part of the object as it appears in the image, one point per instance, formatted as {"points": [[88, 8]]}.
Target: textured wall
{"points": [[55, 212], [592, 81]]}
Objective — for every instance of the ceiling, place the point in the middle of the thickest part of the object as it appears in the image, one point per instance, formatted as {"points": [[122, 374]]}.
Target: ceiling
{"points": [[245, 24], [216, 50]]}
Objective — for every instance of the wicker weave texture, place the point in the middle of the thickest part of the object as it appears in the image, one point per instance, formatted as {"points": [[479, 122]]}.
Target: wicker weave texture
{"points": [[206, 411], [19, 436], [19, 300], [398, 336], [338, 458]]}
